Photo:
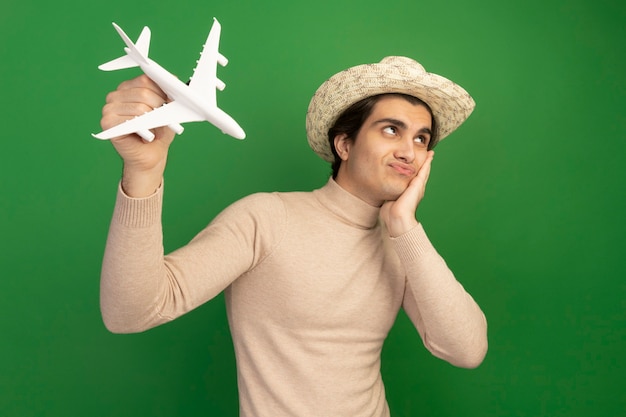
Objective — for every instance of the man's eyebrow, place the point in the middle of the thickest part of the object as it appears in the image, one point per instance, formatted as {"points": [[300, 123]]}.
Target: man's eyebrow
{"points": [[392, 121], [401, 124], [426, 130]]}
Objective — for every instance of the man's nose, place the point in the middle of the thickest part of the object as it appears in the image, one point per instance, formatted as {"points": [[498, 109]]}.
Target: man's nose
{"points": [[405, 150]]}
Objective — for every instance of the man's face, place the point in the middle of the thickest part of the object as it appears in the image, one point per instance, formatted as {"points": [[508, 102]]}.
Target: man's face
{"points": [[388, 151]]}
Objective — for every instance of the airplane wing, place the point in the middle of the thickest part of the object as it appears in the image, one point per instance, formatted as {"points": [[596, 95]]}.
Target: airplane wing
{"points": [[204, 78], [170, 113]]}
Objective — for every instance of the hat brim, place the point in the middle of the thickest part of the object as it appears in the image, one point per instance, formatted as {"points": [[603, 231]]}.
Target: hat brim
{"points": [[450, 104]]}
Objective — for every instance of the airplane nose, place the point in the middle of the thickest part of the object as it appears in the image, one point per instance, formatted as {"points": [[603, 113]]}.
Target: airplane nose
{"points": [[240, 134], [225, 123], [235, 130]]}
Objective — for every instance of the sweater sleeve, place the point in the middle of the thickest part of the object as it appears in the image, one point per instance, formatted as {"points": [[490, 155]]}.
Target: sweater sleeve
{"points": [[449, 321], [141, 287]]}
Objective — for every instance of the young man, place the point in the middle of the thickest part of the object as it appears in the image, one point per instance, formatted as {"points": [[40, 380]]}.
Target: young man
{"points": [[313, 280]]}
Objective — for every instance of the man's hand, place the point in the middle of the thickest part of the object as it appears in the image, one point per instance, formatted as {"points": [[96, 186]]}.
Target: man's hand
{"points": [[144, 162], [399, 215]]}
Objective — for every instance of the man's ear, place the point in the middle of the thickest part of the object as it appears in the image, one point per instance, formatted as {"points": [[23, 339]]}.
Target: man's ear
{"points": [[343, 145]]}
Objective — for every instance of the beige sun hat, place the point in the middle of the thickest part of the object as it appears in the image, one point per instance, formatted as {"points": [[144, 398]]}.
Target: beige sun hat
{"points": [[450, 103]]}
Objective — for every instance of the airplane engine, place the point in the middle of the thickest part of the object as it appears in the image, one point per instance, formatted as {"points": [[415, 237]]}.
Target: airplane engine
{"points": [[177, 128], [223, 61], [219, 84], [146, 135]]}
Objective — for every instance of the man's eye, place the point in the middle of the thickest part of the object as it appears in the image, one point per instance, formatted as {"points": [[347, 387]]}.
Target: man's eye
{"points": [[390, 130], [421, 140]]}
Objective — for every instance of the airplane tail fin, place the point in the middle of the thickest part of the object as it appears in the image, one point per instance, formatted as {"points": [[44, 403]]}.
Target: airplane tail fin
{"points": [[136, 53]]}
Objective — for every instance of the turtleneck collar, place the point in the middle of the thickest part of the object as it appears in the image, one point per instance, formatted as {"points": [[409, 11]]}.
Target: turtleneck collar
{"points": [[348, 207]]}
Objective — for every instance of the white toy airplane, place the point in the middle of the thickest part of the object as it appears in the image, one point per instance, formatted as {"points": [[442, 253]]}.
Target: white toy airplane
{"points": [[190, 103]]}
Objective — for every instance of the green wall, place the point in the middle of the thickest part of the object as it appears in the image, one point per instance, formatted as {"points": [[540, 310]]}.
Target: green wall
{"points": [[526, 201]]}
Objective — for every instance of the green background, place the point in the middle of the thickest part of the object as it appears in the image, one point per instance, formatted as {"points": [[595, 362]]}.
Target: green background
{"points": [[526, 201]]}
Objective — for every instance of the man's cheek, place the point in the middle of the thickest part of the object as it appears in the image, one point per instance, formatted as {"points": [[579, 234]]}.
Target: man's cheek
{"points": [[419, 160]]}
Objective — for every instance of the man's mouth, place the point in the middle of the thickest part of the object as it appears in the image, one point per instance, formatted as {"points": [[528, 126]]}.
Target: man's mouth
{"points": [[403, 169]]}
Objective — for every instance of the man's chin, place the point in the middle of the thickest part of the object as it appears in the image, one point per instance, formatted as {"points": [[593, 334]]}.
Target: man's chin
{"points": [[392, 193]]}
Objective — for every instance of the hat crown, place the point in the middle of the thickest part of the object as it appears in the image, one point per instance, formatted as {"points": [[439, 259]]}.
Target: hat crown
{"points": [[403, 62]]}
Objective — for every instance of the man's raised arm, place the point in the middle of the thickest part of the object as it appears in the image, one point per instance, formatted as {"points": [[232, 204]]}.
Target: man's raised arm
{"points": [[144, 162]]}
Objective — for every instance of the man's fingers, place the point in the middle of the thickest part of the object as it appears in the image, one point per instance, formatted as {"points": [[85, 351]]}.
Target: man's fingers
{"points": [[142, 81], [136, 95], [132, 98], [418, 184], [424, 171]]}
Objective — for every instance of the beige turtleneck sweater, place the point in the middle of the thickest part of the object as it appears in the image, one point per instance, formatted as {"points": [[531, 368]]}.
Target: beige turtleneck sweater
{"points": [[313, 285]]}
